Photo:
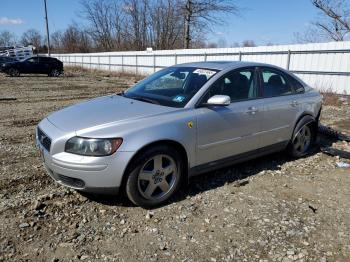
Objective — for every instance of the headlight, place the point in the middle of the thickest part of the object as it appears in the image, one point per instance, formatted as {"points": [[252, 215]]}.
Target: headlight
{"points": [[93, 146]]}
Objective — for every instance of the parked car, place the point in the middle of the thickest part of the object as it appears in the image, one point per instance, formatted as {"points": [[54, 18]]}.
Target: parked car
{"points": [[182, 121], [34, 65], [6, 59]]}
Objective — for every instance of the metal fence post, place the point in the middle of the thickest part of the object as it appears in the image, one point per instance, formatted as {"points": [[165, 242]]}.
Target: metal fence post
{"points": [[122, 64], [109, 63], [175, 58], [136, 71], [240, 56], [154, 63], [288, 59], [205, 57]]}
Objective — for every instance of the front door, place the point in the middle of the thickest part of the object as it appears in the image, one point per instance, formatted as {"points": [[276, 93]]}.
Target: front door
{"points": [[31, 65], [225, 131]]}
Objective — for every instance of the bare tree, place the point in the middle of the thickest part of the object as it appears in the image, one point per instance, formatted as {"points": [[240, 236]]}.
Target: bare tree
{"points": [[248, 43], [335, 18], [166, 25], [32, 37], [137, 13], [162, 24], [104, 19], [57, 41], [333, 22], [75, 40], [202, 13], [7, 38]]}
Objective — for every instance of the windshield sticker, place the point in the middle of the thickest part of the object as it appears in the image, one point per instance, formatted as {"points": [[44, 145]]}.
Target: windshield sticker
{"points": [[206, 72], [178, 98]]}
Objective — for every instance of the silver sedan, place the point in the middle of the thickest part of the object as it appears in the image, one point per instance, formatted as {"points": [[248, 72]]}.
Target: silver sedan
{"points": [[184, 120]]}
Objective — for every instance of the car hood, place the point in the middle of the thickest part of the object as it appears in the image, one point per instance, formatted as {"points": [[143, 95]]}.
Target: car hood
{"points": [[102, 112]]}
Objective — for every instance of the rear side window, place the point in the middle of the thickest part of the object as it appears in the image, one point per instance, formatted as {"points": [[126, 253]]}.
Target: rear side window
{"points": [[274, 83], [297, 86], [46, 59]]}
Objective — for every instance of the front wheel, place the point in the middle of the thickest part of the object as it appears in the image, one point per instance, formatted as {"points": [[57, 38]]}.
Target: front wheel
{"points": [[302, 141], [154, 177]]}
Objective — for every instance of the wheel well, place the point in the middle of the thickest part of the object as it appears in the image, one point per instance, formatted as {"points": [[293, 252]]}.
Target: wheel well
{"points": [[172, 143], [314, 123]]}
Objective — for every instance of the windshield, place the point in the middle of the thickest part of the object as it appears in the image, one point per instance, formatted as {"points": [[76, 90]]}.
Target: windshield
{"points": [[173, 86]]}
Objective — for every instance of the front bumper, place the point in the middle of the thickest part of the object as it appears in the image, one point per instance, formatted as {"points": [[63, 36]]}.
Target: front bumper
{"points": [[84, 173]]}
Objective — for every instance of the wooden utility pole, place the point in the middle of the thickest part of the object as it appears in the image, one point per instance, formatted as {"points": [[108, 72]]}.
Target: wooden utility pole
{"points": [[47, 30]]}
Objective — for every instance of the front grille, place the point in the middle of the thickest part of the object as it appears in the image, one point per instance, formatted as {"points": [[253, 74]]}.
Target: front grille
{"points": [[44, 140], [70, 181]]}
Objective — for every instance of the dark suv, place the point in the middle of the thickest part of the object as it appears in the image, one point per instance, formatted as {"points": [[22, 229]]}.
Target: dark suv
{"points": [[34, 65]]}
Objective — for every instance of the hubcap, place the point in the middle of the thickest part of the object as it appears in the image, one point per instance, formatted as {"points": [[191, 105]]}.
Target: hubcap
{"points": [[302, 140], [157, 177]]}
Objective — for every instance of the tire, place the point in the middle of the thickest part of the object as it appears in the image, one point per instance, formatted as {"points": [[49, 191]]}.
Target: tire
{"points": [[302, 140], [154, 177], [55, 72], [14, 72]]}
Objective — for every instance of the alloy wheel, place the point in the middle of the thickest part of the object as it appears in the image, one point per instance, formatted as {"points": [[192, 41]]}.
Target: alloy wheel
{"points": [[157, 177], [302, 140]]}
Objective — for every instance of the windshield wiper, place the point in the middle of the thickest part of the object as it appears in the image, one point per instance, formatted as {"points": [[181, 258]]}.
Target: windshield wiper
{"points": [[144, 99]]}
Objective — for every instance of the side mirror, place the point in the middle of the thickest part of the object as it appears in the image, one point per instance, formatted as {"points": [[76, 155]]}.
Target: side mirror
{"points": [[219, 100]]}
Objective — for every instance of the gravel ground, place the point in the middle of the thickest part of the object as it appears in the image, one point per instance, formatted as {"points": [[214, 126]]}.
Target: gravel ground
{"points": [[270, 209]]}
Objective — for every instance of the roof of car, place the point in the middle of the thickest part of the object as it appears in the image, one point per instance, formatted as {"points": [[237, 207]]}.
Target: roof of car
{"points": [[221, 65]]}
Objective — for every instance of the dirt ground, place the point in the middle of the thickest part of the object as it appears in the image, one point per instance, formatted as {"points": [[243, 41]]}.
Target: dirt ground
{"points": [[270, 209]]}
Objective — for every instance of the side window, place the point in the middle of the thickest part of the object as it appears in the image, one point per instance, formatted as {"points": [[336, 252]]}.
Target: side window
{"points": [[274, 83], [33, 60], [297, 86], [238, 85]]}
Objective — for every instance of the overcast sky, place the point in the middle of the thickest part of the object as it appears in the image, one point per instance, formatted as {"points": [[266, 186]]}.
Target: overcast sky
{"points": [[264, 21]]}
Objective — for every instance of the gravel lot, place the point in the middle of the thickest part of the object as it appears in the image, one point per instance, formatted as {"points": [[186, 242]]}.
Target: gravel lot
{"points": [[270, 209]]}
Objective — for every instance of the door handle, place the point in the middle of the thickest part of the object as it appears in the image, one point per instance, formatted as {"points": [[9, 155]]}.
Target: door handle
{"points": [[252, 110], [294, 103]]}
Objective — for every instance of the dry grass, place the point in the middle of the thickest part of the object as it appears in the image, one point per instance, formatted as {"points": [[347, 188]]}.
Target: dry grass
{"points": [[73, 71], [331, 98]]}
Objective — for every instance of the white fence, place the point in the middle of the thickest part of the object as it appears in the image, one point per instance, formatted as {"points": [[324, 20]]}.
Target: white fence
{"points": [[321, 65]]}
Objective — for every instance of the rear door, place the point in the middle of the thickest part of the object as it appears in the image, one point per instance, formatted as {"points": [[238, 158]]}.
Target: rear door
{"points": [[30, 66], [281, 106], [225, 131]]}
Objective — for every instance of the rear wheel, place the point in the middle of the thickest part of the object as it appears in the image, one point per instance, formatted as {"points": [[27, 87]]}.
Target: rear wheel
{"points": [[154, 177], [14, 72], [302, 141], [55, 72]]}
